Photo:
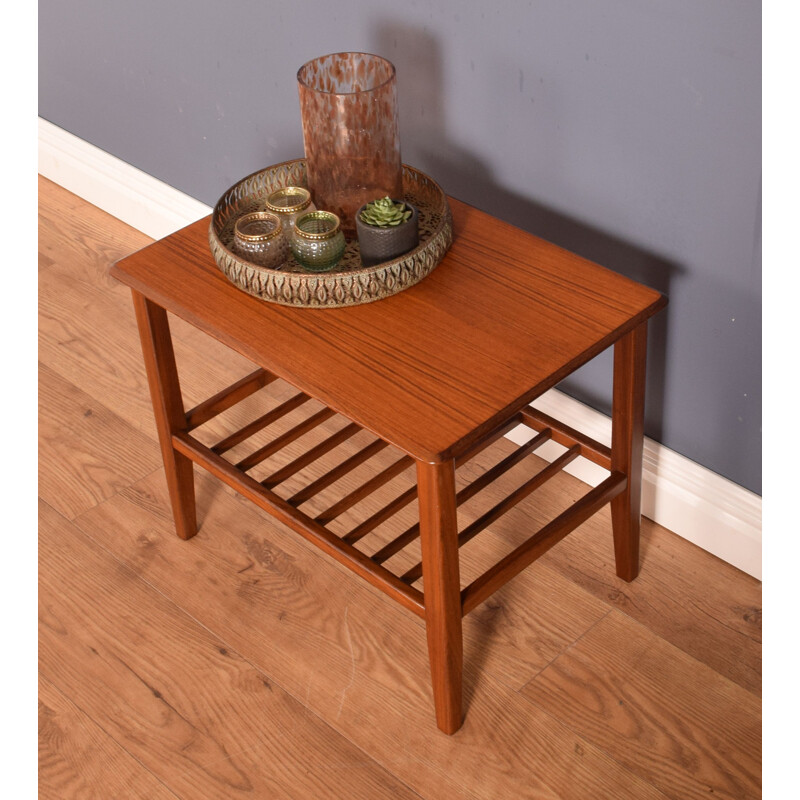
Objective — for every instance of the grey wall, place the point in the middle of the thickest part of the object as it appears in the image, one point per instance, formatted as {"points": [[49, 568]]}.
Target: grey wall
{"points": [[625, 130]]}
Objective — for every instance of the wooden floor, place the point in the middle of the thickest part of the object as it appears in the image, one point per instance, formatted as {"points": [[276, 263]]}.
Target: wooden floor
{"points": [[244, 663]]}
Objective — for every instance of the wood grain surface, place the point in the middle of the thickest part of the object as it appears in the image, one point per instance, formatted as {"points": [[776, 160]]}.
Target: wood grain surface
{"points": [[313, 629], [622, 687], [323, 688], [86, 453], [77, 758], [430, 369], [195, 714]]}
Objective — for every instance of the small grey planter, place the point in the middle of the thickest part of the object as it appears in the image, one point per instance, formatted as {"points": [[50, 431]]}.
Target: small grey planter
{"points": [[378, 245]]}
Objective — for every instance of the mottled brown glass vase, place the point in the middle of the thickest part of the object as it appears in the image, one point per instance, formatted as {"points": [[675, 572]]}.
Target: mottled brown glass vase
{"points": [[348, 104]]}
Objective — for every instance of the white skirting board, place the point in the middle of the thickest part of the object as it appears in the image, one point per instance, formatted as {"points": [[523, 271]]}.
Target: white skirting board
{"points": [[125, 192], [688, 499]]}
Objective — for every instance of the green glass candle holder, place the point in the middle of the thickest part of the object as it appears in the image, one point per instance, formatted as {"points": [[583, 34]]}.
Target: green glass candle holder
{"points": [[318, 243]]}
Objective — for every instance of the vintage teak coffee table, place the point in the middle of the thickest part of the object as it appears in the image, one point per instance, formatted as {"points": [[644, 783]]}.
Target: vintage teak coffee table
{"points": [[438, 371]]}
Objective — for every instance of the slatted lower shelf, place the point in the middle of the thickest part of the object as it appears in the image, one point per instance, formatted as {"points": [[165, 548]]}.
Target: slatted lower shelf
{"points": [[342, 546]]}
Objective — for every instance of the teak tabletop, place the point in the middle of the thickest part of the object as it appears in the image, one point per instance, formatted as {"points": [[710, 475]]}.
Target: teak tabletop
{"points": [[502, 318], [440, 371]]}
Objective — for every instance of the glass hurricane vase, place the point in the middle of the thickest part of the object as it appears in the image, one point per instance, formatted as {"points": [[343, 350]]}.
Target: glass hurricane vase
{"points": [[348, 105]]}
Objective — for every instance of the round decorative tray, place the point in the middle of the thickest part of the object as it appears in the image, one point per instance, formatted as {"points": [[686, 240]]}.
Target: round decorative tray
{"points": [[349, 283]]}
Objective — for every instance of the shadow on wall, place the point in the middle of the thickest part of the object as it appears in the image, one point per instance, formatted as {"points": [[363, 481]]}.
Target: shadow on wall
{"points": [[417, 55]]}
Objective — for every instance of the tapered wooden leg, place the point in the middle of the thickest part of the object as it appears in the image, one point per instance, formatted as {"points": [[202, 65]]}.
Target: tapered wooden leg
{"points": [[165, 393], [627, 443], [439, 540]]}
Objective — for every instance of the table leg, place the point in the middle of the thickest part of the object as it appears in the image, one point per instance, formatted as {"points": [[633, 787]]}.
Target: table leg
{"points": [[165, 393], [627, 444], [440, 574]]}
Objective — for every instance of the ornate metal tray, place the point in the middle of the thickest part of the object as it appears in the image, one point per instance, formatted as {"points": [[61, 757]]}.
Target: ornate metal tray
{"points": [[350, 283]]}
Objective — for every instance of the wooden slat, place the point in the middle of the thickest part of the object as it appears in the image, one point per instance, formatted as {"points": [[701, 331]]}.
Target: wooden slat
{"points": [[502, 467], [226, 398], [567, 436], [396, 545], [384, 476], [518, 495], [281, 441], [336, 473], [410, 535], [260, 423], [497, 511], [541, 542], [491, 437], [309, 529], [360, 531], [309, 457]]}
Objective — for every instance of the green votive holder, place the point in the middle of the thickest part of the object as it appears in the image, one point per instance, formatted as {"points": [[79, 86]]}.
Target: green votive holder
{"points": [[318, 243]]}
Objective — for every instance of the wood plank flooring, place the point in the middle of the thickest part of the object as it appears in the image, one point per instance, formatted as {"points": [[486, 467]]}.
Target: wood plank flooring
{"points": [[243, 663]]}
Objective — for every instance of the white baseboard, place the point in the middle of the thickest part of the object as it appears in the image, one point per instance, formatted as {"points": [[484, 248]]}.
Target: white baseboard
{"points": [[688, 499], [125, 192]]}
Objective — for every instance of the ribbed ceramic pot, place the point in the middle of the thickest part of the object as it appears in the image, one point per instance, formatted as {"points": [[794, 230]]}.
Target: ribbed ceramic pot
{"points": [[378, 245]]}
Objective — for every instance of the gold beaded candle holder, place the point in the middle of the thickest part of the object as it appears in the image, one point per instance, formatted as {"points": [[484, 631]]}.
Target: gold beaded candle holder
{"points": [[258, 238], [288, 204]]}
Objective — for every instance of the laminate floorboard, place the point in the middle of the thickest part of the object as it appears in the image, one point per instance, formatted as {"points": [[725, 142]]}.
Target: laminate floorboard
{"points": [[679, 724], [194, 712], [86, 452], [243, 661], [78, 759], [347, 652]]}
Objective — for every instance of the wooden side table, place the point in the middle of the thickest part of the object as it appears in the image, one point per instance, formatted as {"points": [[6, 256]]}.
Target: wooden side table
{"points": [[439, 371]]}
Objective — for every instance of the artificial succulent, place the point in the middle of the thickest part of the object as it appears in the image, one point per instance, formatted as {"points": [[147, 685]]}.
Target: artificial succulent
{"points": [[385, 213]]}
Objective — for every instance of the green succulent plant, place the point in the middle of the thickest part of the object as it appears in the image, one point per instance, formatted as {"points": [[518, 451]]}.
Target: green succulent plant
{"points": [[385, 213]]}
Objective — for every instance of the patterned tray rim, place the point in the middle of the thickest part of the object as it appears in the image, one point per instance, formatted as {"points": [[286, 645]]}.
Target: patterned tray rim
{"points": [[336, 288]]}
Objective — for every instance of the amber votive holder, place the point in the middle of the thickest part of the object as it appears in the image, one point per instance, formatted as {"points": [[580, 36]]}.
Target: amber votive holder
{"points": [[288, 204], [258, 237]]}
